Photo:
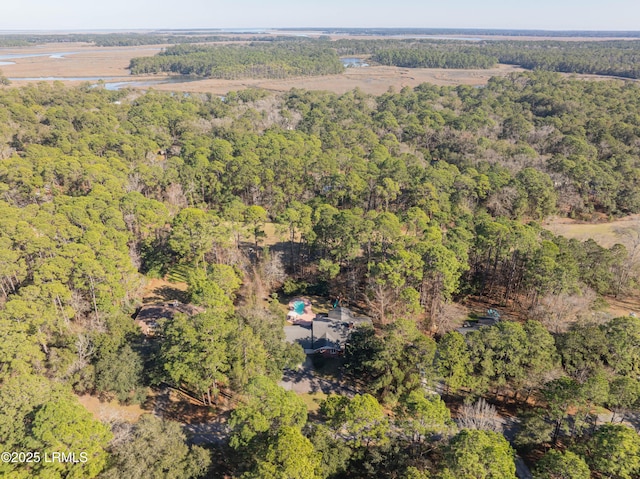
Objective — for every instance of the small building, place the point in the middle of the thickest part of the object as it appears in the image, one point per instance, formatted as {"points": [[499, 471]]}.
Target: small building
{"points": [[149, 314], [489, 320], [328, 333]]}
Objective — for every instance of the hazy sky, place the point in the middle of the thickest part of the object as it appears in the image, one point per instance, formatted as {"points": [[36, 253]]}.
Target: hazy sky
{"points": [[129, 14]]}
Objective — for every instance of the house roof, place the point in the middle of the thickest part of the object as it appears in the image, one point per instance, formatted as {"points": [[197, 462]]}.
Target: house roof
{"points": [[298, 334], [346, 315], [330, 333], [340, 314]]}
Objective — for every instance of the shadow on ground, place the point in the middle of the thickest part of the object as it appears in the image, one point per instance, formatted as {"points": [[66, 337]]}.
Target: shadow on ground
{"points": [[167, 293], [305, 380]]}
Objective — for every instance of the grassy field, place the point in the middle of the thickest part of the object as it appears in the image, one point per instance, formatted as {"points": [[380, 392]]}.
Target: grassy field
{"points": [[605, 234], [313, 400], [162, 290], [113, 62], [91, 61]]}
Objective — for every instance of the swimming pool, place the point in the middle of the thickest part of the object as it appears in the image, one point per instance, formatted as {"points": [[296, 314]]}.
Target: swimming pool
{"points": [[298, 307]]}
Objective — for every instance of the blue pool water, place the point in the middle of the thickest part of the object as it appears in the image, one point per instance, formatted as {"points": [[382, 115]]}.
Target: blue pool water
{"points": [[298, 307]]}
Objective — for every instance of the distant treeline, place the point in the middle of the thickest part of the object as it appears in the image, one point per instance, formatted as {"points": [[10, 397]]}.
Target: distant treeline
{"points": [[435, 58], [115, 39], [279, 60], [285, 55], [468, 31], [614, 58]]}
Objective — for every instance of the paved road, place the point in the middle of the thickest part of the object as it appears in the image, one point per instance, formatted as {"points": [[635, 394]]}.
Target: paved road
{"points": [[305, 380]]}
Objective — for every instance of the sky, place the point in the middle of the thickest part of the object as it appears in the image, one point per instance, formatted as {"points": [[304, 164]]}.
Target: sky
{"points": [[150, 14]]}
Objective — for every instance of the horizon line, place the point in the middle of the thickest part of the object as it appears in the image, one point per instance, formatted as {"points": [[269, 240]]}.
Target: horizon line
{"points": [[316, 29]]}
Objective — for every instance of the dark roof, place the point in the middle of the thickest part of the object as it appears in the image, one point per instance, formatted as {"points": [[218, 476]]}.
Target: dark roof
{"points": [[329, 333], [325, 331], [346, 315]]}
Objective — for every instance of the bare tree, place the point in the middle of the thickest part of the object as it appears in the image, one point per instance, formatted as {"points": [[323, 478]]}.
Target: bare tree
{"points": [[379, 298], [84, 353], [629, 271], [174, 195], [135, 256], [135, 183], [558, 311], [479, 415], [451, 316], [122, 430], [272, 269], [501, 203], [80, 304]]}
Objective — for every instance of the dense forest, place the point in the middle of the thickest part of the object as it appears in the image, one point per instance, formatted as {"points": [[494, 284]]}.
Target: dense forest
{"points": [[407, 205], [278, 57], [604, 58], [613, 58], [255, 60]]}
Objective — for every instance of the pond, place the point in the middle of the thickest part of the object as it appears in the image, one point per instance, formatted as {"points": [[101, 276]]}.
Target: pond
{"points": [[351, 62]]}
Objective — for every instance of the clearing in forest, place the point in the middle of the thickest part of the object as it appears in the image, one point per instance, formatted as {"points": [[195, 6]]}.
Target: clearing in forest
{"points": [[161, 290], [606, 234], [111, 410]]}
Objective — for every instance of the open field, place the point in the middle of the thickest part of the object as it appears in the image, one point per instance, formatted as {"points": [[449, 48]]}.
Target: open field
{"points": [[605, 234], [112, 62], [161, 290], [312, 400], [374, 80], [82, 60]]}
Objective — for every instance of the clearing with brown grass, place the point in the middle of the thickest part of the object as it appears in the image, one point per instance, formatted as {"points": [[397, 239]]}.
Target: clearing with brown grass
{"points": [[85, 60], [606, 234]]}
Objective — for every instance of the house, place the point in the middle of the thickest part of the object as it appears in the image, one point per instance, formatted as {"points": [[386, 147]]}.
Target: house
{"points": [[328, 333], [149, 314], [491, 319]]}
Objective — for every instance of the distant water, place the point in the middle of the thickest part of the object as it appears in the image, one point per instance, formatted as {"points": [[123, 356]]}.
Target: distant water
{"points": [[438, 37], [109, 83], [353, 62], [131, 83], [63, 78], [62, 55], [7, 63], [243, 30], [13, 56]]}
